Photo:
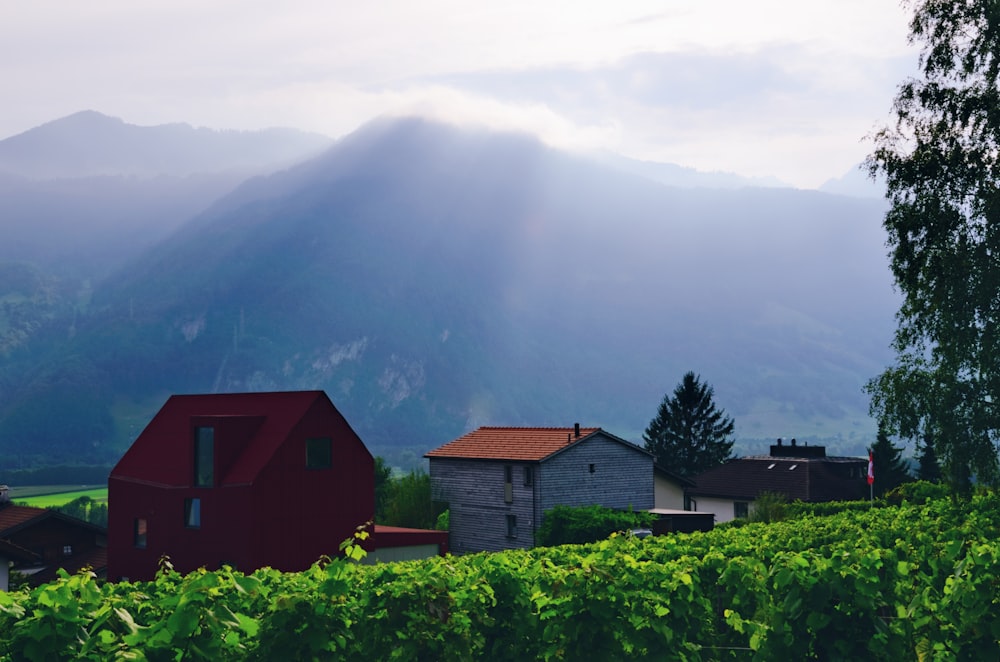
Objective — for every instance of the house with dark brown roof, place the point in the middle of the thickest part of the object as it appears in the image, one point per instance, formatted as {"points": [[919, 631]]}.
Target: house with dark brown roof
{"points": [[499, 481], [244, 479], [798, 471], [37, 542]]}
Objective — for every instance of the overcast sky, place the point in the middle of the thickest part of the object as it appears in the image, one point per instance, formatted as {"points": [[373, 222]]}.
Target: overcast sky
{"points": [[784, 88]]}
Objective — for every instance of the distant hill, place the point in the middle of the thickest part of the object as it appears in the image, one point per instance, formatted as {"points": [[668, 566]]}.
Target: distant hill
{"points": [[856, 183], [80, 193], [89, 144], [432, 279], [672, 174]]}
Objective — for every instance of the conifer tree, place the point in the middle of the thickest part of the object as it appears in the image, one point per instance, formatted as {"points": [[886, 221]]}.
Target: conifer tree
{"points": [[689, 434], [927, 463], [890, 469]]}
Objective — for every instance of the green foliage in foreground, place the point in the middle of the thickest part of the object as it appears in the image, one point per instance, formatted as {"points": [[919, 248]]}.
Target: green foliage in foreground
{"points": [[891, 583]]}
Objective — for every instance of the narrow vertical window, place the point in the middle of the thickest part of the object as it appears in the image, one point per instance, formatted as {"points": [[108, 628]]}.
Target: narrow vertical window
{"points": [[529, 476], [318, 453], [508, 483], [192, 513], [511, 526], [139, 533], [204, 457], [593, 468]]}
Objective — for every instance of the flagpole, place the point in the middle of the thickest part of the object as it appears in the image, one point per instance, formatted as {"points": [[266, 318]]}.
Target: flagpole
{"points": [[871, 477]]}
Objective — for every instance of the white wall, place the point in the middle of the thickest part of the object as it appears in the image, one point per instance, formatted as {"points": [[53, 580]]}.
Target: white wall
{"points": [[667, 494], [723, 509]]}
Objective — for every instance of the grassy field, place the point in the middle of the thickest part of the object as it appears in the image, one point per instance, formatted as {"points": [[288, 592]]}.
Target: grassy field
{"points": [[46, 496]]}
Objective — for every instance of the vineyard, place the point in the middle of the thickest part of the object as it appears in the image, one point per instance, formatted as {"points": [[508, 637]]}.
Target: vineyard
{"points": [[913, 581]]}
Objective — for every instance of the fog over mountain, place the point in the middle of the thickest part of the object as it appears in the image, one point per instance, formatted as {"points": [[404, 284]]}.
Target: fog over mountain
{"points": [[89, 144], [79, 194], [433, 279]]}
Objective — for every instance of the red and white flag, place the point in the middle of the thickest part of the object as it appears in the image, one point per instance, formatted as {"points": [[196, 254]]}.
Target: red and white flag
{"points": [[871, 468]]}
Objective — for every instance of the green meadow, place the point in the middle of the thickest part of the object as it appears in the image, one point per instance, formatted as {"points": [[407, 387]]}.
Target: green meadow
{"points": [[48, 496]]}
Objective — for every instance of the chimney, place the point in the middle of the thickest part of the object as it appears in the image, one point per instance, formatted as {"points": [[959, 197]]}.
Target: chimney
{"points": [[793, 442], [779, 441], [576, 430]]}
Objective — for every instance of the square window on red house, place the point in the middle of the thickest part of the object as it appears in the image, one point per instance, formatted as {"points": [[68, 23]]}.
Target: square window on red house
{"points": [[319, 454]]}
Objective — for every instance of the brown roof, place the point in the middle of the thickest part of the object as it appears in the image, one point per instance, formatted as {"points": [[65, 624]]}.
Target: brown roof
{"points": [[11, 552], [504, 443], [806, 479], [12, 517]]}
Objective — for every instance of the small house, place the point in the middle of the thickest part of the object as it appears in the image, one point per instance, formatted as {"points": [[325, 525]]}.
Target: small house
{"points": [[498, 482], [796, 471], [37, 542], [248, 480]]}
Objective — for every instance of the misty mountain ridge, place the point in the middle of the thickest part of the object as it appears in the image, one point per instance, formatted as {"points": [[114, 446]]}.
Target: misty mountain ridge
{"points": [[433, 279], [81, 194], [676, 175], [89, 144]]}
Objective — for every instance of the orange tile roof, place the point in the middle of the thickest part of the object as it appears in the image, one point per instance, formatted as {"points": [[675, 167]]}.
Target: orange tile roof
{"points": [[500, 443]]}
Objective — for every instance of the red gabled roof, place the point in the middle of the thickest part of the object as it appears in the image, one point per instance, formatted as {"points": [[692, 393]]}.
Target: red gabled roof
{"points": [[159, 455], [525, 444]]}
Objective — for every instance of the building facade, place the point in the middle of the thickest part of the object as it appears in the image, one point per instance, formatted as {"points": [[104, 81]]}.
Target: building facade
{"points": [[795, 471], [498, 482]]}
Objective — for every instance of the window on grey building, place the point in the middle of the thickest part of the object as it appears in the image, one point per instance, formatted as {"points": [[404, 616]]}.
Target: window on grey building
{"points": [[529, 476], [508, 483], [741, 509], [593, 468], [511, 526]]}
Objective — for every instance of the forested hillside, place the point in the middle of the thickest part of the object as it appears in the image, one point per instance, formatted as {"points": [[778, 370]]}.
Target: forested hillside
{"points": [[432, 279]]}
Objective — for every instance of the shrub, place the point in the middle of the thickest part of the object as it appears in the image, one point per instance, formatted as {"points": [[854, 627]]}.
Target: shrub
{"points": [[769, 507], [564, 525]]}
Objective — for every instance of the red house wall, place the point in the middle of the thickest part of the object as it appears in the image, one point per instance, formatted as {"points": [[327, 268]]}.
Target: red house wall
{"points": [[286, 516], [317, 508]]}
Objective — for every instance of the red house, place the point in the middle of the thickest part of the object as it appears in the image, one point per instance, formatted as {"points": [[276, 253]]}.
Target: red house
{"points": [[245, 479]]}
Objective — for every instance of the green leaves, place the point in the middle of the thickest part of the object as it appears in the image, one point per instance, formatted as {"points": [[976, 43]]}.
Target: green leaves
{"points": [[941, 160], [889, 583]]}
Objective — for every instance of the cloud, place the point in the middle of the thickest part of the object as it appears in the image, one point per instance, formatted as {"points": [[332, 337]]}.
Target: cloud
{"points": [[753, 79]]}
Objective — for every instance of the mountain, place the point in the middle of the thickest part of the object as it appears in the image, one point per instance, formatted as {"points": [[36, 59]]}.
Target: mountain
{"points": [[672, 174], [79, 194], [433, 279], [856, 182], [90, 144]]}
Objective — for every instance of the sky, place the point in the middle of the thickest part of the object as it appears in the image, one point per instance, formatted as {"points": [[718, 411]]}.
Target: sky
{"points": [[771, 88]]}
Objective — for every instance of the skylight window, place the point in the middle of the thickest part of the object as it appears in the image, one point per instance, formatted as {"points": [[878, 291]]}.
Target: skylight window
{"points": [[792, 467], [770, 466]]}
